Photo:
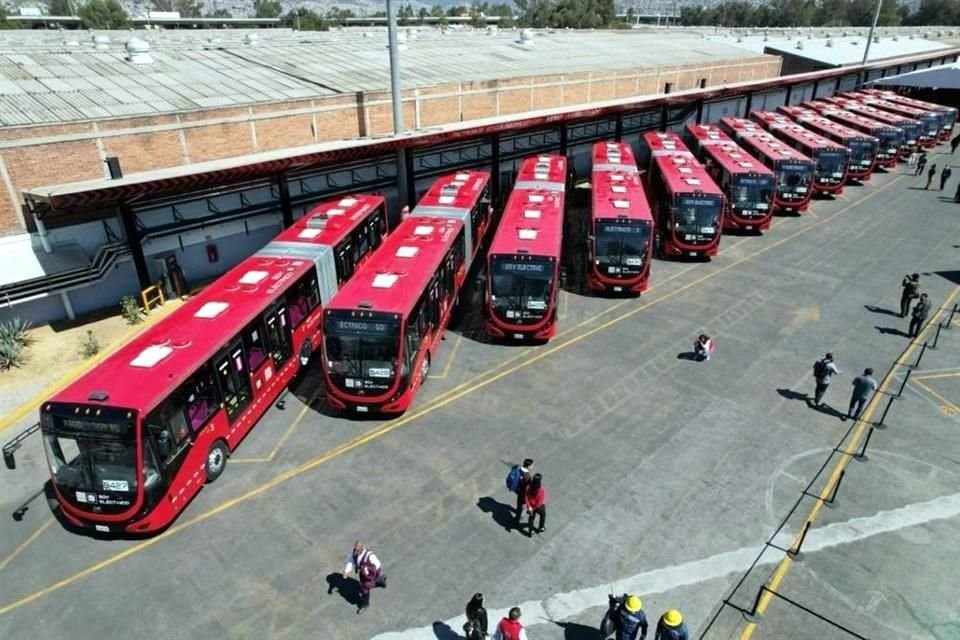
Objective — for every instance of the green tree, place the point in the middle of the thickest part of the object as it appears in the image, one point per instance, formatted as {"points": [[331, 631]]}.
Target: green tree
{"points": [[267, 8], [304, 19], [860, 12], [103, 14], [935, 12], [219, 13], [59, 8], [891, 14], [4, 23], [832, 13]]}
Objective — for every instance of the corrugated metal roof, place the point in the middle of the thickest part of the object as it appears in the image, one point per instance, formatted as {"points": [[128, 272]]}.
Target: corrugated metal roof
{"points": [[45, 78], [837, 49]]}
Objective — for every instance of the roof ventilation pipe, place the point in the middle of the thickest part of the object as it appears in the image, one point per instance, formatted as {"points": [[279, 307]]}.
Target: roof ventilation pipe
{"points": [[251, 39], [101, 42], [799, 44], [138, 51], [829, 42], [526, 37]]}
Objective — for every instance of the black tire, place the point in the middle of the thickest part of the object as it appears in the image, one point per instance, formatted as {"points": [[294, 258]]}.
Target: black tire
{"points": [[216, 460], [425, 369]]}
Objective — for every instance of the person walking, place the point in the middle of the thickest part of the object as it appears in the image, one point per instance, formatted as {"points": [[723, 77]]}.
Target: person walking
{"points": [[671, 627], [956, 196], [517, 481], [944, 176], [921, 163], [627, 619], [369, 572], [535, 500], [510, 628], [703, 347], [476, 626], [823, 371], [911, 290], [955, 143], [863, 386], [919, 315], [931, 172], [912, 159]]}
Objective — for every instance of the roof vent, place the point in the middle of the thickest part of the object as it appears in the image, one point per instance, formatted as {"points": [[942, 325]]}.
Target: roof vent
{"points": [[829, 42], [618, 188], [71, 42], [527, 234], [150, 356], [310, 233], [384, 280], [620, 204], [526, 37], [101, 42], [98, 396], [347, 202], [531, 213], [211, 310], [799, 44], [535, 197], [407, 252], [423, 230], [251, 39], [138, 51], [253, 277]]}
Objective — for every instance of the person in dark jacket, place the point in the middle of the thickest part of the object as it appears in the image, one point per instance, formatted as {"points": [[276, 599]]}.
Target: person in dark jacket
{"points": [[863, 386], [944, 176], [525, 474], [671, 627], [930, 174], [919, 316], [476, 626], [955, 143], [535, 500], [956, 196], [629, 620], [921, 163], [367, 574], [911, 289]]}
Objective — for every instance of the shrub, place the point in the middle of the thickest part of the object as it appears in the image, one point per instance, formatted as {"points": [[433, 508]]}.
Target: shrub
{"points": [[131, 310], [14, 340], [89, 345]]}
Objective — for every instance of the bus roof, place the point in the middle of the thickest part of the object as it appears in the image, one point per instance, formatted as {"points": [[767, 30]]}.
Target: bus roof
{"points": [[681, 171], [613, 156], [397, 273], [895, 107], [819, 123], [531, 224], [849, 117], [148, 368], [759, 142], [724, 151], [330, 222], [870, 111], [619, 195], [779, 123], [454, 191], [896, 97], [542, 172]]}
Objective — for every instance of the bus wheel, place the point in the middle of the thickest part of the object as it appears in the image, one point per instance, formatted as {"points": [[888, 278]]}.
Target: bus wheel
{"points": [[216, 460], [424, 368]]}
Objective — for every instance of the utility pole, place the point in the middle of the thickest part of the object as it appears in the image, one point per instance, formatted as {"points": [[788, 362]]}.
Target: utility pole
{"points": [[876, 17], [397, 100]]}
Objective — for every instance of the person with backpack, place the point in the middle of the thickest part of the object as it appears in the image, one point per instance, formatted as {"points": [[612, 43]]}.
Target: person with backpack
{"points": [[510, 628], [535, 500], [369, 572], [944, 176], [625, 618], [919, 316], [823, 371], [671, 627], [517, 481], [911, 289], [476, 625]]}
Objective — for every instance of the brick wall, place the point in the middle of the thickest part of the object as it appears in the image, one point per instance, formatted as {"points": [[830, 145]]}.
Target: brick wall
{"points": [[56, 154]]}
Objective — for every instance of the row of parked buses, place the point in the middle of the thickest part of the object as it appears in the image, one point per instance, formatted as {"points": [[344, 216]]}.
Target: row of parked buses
{"points": [[130, 442]]}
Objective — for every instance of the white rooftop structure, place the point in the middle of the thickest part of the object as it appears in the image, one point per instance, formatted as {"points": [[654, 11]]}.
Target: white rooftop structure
{"points": [[943, 77], [834, 50]]}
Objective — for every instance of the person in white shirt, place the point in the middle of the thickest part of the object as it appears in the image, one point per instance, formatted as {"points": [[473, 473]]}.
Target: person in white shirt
{"points": [[359, 556]]}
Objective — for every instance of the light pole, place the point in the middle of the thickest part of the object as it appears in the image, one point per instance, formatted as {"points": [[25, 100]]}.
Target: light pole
{"points": [[876, 16], [397, 101]]}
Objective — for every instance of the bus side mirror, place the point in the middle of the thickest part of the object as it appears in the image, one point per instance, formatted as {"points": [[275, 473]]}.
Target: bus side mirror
{"points": [[9, 459]]}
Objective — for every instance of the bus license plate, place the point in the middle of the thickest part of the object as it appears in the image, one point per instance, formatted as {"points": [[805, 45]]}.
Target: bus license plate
{"points": [[749, 227], [102, 528], [362, 409], [618, 289], [693, 253], [518, 336]]}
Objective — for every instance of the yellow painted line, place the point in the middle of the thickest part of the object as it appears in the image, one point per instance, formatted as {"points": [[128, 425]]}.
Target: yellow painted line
{"points": [[935, 376], [286, 434], [841, 465], [450, 359], [26, 543], [950, 405], [33, 403], [393, 425]]}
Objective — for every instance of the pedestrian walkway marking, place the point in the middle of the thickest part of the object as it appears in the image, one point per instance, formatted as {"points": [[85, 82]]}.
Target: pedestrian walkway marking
{"points": [[564, 606], [854, 442], [478, 382]]}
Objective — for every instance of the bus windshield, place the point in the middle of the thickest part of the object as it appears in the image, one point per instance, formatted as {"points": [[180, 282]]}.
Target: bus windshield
{"points": [[793, 179], [362, 352], [890, 141], [911, 131], [621, 246], [862, 153], [751, 195], [93, 461], [832, 163], [521, 288], [697, 217], [932, 123]]}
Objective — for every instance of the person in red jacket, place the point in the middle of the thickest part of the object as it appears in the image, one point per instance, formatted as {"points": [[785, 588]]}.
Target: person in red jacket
{"points": [[510, 627], [535, 500]]}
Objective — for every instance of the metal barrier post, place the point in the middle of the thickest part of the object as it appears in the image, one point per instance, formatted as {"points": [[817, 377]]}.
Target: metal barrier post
{"points": [[903, 385], [795, 552], [920, 357], [950, 317], [936, 337], [862, 454], [885, 410]]}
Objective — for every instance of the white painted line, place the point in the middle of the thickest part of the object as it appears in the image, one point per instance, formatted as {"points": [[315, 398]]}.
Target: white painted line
{"points": [[563, 606]]}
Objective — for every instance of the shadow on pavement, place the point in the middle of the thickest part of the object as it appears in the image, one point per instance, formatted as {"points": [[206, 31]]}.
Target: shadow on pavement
{"points": [[952, 276], [790, 394], [575, 631], [348, 588], [892, 331], [881, 310], [502, 513], [443, 632]]}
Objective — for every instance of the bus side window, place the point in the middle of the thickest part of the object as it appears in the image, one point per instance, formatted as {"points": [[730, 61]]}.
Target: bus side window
{"points": [[234, 381], [344, 261], [303, 297], [459, 250], [363, 242], [278, 334], [253, 341], [414, 333], [381, 220], [184, 413], [434, 302]]}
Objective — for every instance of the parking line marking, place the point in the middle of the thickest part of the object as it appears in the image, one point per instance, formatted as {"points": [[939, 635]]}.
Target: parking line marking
{"points": [[450, 359], [947, 403], [26, 543], [935, 376], [388, 427], [781, 571]]}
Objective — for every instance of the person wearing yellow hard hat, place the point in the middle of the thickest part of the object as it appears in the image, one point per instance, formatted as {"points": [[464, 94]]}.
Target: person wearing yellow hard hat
{"points": [[671, 627], [625, 618]]}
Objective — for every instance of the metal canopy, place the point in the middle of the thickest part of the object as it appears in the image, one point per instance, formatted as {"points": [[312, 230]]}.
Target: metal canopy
{"points": [[943, 77]]}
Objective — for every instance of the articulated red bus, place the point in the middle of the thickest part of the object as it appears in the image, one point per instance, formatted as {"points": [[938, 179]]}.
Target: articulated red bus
{"points": [[131, 442], [747, 182], [863, 148], [832, 160], [891, 138], [911, 127], [383, 327], [463, 196], [523, 265], [688, 205], [949, 113], [620, 241], [793, 170], [931, 121]]}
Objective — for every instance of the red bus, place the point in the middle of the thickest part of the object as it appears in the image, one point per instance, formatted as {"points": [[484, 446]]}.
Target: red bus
{"points": [[463, 196], [687, 204], [522, 286], [620, 240], [747, 182], [793, 170], [863, 148], [891, 138], [130, 442], [931, 121], [949, 113], [383, 327], [831, 159], [910, 126]]}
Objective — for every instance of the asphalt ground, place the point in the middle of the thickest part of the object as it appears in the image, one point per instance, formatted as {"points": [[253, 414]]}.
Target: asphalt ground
{"points": [[665, 475]]}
